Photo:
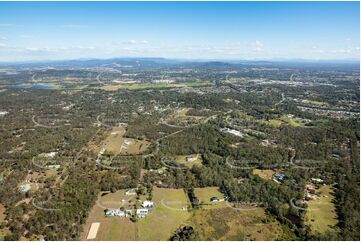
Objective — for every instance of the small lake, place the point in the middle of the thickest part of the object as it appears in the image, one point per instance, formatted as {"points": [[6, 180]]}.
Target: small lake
{"points": [[35, 86]]}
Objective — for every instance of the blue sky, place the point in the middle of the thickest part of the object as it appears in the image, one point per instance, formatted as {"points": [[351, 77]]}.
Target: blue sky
{"points": [[192, 30]]}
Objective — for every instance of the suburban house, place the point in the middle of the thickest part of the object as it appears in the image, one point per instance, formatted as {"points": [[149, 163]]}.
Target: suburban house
{"points": [[130, 192], [102, 151], [216, 199], [142, 212], [25, 187], [279, 177], [191, 159], [50, 155], [311, 188], [311, 192], [127, 142], [115, 212], [317, 180], [148, 205], [53, 166], [128, 212]]}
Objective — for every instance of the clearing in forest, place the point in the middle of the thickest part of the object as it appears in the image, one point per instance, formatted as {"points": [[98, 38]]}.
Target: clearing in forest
{"points": [[116, 144], [287, 120], [264, 174], [321, 214], [189, 160], [205, 194]]}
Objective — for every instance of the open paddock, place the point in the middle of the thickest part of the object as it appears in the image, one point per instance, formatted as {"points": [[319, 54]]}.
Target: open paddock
{"points": [[205, 194]]}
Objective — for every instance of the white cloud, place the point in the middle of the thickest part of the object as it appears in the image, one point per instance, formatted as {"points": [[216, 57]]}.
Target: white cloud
{"points": [[259, 43], [6, 25], [348, 39], [3, 38], [75, 26], [26, 36], [258, 46], [33, 49], [135, 42]]}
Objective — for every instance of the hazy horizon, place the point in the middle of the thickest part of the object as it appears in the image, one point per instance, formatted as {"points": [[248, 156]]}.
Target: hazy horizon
{"points": [[50, 31]]}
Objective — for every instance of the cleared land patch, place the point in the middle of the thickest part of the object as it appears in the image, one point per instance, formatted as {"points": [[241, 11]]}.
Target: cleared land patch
{"points": [[111, 228], [231, 224], [116, 144], [167, 215], [189, 160], [321, 215], [264, 174], [179, 118], [287, 120], [205, 194]]}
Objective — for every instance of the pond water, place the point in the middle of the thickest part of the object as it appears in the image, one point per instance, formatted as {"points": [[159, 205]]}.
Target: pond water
{"points": [[34, 86]]}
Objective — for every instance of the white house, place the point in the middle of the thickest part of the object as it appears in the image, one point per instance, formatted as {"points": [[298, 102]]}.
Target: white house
{"points": [[317, 180], [127, 142], [3, 113], [148, 204], [191, 159], [130, 192], [115, 212], [53, 166], [142, 212], [50, 155], [128, 212], [233, 131], [25, 187], [102, 151]]}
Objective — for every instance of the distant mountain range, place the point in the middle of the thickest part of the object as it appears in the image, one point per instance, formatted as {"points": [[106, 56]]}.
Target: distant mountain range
{"points": [[157, 61]]}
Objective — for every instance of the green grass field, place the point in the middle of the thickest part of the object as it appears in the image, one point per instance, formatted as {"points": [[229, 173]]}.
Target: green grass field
{"points": [[167, 216], [285, 120], [321, 215], [205, 194], [275, 122], [160, 224], [111, 228]]}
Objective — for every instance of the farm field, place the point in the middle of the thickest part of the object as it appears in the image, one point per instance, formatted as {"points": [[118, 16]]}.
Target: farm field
{"points": [[321, 215], [111, 228], [232, 224], [168, 215], [264, 174], [206, 193], [116, 200]]}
